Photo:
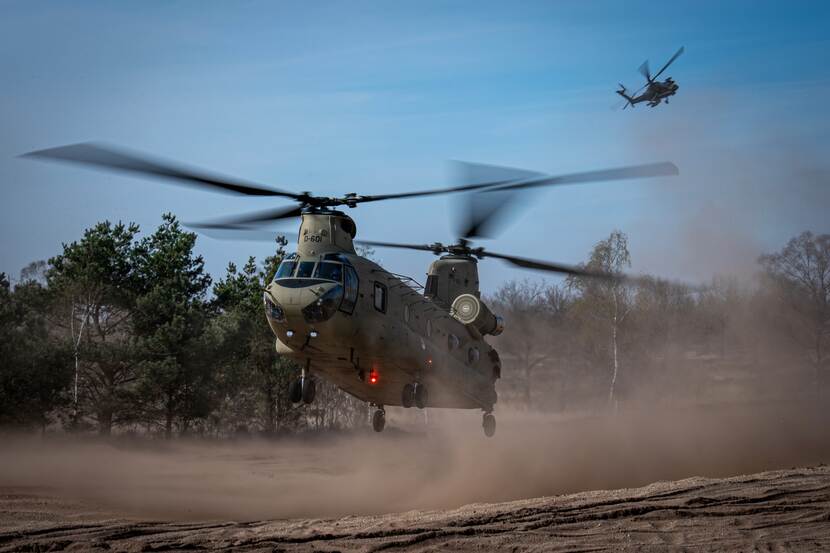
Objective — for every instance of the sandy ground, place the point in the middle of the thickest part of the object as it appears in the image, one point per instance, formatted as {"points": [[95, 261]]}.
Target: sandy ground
{"points": [[448, 487], [772, 511]]}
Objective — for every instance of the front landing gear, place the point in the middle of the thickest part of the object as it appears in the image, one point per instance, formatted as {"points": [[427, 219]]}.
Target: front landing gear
{"points": [[309, 389], [379, 419], [303, 388], [488, 422]]}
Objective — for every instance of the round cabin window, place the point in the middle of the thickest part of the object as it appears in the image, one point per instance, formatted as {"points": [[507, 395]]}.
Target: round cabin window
{"points": [[472, 355]]}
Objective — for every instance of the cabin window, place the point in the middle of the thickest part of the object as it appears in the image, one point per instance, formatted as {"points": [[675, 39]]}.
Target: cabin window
{"points": [[406, 313], [472, 355], [286, 269], [306, 269], [429, 328], [351, 286], [380, 297], [329, 271]]}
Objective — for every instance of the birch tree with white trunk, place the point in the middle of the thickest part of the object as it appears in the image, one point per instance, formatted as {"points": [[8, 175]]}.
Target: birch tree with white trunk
{"points": [[608, 300]]}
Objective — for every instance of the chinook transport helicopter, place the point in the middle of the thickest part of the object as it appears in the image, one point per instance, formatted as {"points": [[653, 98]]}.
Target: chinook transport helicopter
{"points": [[655, 91], [375, 334]]}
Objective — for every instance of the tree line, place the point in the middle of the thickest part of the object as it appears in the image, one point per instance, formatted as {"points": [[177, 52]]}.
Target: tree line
{"points": [[591, 344], [129, 333]]}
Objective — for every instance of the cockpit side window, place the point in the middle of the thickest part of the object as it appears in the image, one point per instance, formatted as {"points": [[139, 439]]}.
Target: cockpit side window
{"points": [[329, 271], [285, 270], [306, 269], [351, 287], [431, 289]]}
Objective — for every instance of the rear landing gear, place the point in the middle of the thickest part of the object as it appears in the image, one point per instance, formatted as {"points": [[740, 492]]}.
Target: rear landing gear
{"points": [[414, 394], [421, 396], [408, 396], [379, 419], [488, 422]]}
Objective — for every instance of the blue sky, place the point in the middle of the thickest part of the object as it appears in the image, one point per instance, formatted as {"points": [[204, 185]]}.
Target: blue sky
{"points": [[370, 97]]}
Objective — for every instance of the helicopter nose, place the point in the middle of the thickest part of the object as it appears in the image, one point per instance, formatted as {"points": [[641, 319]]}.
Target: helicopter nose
{"points": [[310, 304]]}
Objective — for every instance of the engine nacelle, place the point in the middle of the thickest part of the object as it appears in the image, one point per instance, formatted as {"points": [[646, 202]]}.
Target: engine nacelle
{"points": [[469, 310]]}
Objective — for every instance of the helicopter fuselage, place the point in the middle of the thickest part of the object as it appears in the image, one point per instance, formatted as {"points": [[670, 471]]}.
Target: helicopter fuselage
{"points": [[655, 92], [370, 331]]}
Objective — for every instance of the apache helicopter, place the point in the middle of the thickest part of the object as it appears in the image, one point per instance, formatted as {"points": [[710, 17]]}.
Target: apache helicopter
{"points": [[655, 91], [375, 334]]}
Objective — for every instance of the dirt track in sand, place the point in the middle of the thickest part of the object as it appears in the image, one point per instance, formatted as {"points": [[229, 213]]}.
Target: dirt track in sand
{"points": [[772, 511]]}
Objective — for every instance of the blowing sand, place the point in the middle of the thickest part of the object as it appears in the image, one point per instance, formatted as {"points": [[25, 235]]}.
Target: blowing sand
{"points": [[445, 464]]}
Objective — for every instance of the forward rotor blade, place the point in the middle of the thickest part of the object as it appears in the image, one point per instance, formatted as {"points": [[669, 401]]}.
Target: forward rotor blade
{"points": [[433, 192], [240, 234], [671, 61], [248, 221], [108, 157], [434, 248], [620, 173], [560, 268], [643, 69]]}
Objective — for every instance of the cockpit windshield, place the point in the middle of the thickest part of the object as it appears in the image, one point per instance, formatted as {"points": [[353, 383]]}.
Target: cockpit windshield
{"points": [[323, 270], [305, 269], [286, 269], [329, 271]]}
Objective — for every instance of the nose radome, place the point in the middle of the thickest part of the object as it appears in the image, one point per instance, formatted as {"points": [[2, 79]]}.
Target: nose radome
{"points": [[310, 304]]}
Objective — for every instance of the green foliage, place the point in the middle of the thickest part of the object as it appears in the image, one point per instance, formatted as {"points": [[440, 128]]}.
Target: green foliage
{"points": [[34, 374], [168, 322], [250, 362], [92, 289]]}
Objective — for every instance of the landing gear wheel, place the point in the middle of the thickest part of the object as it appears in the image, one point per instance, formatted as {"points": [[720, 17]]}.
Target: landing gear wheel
{"points": [[295, 391], [421, 396], [489, 424], [379, 420], [408, 396], [308, 390]]}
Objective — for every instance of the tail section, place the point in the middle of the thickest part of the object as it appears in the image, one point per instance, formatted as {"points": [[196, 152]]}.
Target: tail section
{"points": [[624, 93]]}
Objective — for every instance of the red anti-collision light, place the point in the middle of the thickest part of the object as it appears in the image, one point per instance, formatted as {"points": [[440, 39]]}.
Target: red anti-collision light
{"points": [[373, 377]]}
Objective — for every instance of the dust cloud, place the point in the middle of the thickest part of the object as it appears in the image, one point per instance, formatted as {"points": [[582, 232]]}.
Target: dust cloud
{"points": [[443, 463], [749, 181]]}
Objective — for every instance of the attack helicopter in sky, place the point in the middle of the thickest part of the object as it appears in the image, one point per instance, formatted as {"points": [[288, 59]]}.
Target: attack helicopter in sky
{"points": [[653, 91], [378, 335]]}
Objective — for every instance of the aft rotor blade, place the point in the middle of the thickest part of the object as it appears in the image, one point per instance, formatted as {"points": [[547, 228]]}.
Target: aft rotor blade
{"points": [[671, 61], [117, 159], [560, 268], [643, 69], [663, 169], [247, 221], [482, 214]]}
